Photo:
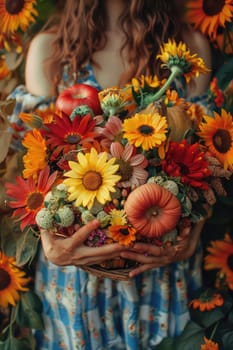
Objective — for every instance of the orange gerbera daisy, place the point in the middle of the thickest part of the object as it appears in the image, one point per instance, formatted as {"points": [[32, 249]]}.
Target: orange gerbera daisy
{"points": [[207, 301], [209, 345], [217, 133], [16, 15], [12, 281], [221, 257], [28, 196], [32, 120], [64, 135], [209, 15], [188, 163], [123, 234], [47, 114], [36, 157]]}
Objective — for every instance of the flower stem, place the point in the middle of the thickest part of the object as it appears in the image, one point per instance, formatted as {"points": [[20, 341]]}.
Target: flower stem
{"points": [[175, 72], [214, 330]]}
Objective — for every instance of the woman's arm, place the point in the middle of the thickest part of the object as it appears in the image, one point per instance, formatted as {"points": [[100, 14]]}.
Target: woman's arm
{"points": [[199, 44], [38, 82], [73, 251], [150, 256]]}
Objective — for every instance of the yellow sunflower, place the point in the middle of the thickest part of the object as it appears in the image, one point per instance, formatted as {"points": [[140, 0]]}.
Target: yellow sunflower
{"points": [[209, 15], [12, 281], [217, 133], [179, 60], [36, 157], [16, 15], [146, 130], [221, 257], [92, 177]]}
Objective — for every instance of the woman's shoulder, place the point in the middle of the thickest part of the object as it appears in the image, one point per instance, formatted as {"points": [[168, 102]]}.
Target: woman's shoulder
{"points": [[41, 44], [198, 43], [40, 49]]}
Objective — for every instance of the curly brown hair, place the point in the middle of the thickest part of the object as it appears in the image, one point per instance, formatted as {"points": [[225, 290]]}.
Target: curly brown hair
{"points": [[80, 30]]}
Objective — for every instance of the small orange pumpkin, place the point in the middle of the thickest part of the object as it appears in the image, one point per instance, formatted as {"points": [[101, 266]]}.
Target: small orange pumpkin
{"points": [[152, 210], [178, 120]]}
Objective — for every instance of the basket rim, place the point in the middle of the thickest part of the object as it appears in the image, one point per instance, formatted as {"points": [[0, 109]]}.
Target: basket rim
{"points": [[114, 274]]}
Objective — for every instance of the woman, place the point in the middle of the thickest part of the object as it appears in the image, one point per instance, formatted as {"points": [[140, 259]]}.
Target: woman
{"points": [[106, 43]]}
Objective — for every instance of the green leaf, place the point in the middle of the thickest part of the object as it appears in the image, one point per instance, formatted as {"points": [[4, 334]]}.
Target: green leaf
{"points": [[227, 340], [29, 311], [18, 344], [166, 344], [45, 9], [27, 246], [191, 338]]}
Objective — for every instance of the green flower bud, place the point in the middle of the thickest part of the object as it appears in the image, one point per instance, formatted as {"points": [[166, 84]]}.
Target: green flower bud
{"points": [[171, 186], [87, 216], [65, 216], [103, 218], [44, 219]]}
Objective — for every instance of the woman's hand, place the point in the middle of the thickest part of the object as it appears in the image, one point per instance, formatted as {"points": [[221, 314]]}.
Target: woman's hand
{"points": [[150, 256], [72, 250]]}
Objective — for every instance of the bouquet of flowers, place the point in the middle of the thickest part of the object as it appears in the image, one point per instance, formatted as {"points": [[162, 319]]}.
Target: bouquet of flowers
{"points": [[141, 159]]}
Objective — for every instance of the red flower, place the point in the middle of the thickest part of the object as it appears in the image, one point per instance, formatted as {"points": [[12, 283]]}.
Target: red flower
{"points": [[188, 163], [29, 196], [64, 134]]}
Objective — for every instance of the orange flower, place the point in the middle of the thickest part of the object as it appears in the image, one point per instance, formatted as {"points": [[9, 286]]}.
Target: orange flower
{"points": [[28, 196], [209, 345], [209, 15], [221, 257], [36, 157], [12, 281], [217, 133], [123, 234], [16, 15], [207, 301]]}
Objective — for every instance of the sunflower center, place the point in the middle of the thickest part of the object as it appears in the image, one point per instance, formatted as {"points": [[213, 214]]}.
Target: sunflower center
{"points": [[125, 169], [92, 180], [146, 129], [230, 261], [124, 231], [73, 138], [4, 279], [35, 200], [14, 7], [213, 7], [222, 140]]}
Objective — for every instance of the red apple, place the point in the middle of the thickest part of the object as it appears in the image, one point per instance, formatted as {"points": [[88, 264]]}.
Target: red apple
{"points": [[77, 95]]}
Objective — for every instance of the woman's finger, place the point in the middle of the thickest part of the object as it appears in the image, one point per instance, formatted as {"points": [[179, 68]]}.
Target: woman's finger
{"points": [[80, 236]]}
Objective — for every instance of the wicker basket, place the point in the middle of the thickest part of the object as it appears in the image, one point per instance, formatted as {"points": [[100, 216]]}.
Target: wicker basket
{"points": [[116, 269], [114, 274]]}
